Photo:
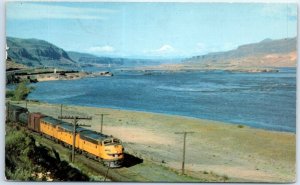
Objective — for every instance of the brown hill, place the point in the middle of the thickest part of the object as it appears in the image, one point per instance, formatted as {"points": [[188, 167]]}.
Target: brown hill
{"points": [[265, 54]]}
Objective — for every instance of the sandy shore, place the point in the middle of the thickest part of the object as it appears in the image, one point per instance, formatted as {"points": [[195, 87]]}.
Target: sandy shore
{"points": [[239, 152]]}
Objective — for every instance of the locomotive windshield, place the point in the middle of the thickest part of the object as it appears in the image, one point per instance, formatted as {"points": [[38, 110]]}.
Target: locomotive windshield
{"points": [[117, 141], [111, 141], [107, 142]]}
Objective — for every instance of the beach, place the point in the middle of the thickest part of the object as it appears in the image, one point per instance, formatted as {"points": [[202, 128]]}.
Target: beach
{"points": [[239, 152]]}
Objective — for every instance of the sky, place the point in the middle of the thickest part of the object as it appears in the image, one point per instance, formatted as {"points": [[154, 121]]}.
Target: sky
{"points": [[150, 30]]}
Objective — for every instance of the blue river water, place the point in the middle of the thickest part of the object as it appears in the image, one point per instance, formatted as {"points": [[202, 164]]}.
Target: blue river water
{"points": [[261, 100]]}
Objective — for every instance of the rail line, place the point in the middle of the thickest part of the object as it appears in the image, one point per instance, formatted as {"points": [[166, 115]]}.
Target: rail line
{"points": [[123, 174]]}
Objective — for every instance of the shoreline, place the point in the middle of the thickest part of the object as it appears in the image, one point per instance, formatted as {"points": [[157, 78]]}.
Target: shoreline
{"points": [[174, 115], [243, 154], [51, 74]]}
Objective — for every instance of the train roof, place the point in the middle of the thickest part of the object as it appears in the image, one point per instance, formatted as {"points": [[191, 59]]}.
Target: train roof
{"points": [[51, 120], [84, 133], [16, 107], [93, 135], [62, 124], [69, 127]]}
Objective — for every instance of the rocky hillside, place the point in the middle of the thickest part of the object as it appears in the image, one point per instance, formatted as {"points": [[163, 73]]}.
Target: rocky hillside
{"points": [[267, 53], [37, 53], [264, 56], [40, 53]]}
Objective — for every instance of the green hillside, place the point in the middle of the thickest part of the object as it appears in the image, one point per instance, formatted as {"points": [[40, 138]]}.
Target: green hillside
{"points": [[37, 53]]}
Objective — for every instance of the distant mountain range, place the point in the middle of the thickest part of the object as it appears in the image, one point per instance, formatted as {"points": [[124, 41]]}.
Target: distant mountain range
{"points": [[267, 53], [40, 53], [84, 59]]}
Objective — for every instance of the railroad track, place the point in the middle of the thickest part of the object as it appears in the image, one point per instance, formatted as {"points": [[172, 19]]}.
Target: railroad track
{"points": [[114, 174], [143, 171]]}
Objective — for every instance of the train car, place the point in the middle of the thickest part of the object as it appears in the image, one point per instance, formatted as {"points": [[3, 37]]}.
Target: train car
{"points": [[104, 148], [107, 148], [48, 126], [101, 147], [23, 118], [34, 121], [65, 134], [13, 112]]}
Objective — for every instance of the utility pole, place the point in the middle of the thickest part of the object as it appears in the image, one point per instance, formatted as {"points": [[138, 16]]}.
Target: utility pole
{"points": [[102, 115], [183, 153], [61, 112], [26, 103], [102, 121], [106, 172], [75, 125]]}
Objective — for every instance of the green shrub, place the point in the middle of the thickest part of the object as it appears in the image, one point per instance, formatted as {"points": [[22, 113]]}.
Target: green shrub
{"points": [[21, 92], [18, 147], [9, 94]]}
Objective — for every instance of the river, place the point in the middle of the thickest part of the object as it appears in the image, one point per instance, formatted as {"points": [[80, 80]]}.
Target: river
{"points": [[261, 100]]}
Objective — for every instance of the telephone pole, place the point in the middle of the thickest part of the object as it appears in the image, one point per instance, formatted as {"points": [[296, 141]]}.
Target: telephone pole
{"points": [[61, 105], [75, 125], [183, 153], [106, 172], [102, 115]]}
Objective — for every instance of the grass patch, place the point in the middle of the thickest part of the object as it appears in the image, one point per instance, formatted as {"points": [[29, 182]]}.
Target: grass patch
{"points": [[225, 177]]}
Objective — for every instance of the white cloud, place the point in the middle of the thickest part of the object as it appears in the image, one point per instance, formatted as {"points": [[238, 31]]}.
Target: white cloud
{"points": [[163, 50], [18, 10], [101, 49]]}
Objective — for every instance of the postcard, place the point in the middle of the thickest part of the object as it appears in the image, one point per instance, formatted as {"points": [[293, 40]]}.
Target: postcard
{"points": [[151, 91]]}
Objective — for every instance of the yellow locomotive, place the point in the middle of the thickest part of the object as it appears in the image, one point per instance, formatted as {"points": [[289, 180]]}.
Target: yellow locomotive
{"points": [[104, 148]]}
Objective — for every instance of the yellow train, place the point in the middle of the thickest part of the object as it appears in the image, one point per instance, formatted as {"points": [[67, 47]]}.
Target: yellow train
{"points": [[104, 148]]}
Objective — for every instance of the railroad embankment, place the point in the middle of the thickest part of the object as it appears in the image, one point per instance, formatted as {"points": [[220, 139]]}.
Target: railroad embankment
{"points": [[27, 159], [214, 152]]}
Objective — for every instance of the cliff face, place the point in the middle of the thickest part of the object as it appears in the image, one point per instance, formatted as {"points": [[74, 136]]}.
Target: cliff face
{"points": [[37, 53]]}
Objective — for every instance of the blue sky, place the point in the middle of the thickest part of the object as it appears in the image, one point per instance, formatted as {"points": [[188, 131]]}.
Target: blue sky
{"points": [[150, 30]]}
